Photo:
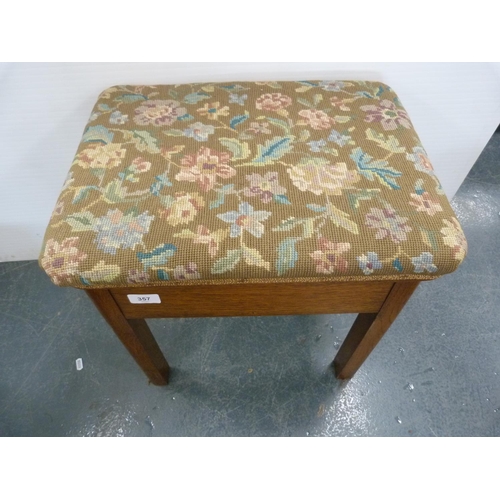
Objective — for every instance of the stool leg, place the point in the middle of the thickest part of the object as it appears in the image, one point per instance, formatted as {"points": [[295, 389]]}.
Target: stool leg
{"points": [[135, 336], [369, 328]]}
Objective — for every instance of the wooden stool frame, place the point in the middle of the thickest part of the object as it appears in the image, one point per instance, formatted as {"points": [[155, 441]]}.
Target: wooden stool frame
{"points": [[377, 302]]}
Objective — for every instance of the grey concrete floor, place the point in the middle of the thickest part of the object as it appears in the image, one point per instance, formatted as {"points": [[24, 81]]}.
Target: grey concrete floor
{"points": [[435, 373]]}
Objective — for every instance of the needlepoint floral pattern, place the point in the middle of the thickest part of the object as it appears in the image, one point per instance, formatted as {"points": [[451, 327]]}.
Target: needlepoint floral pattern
{"points": [[320, 180]]}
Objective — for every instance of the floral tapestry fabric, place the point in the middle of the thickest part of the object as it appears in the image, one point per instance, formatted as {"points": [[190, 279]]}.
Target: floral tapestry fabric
{"points": [[249, 181]]}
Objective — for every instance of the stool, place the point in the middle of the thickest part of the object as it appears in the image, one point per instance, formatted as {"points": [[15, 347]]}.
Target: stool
{"points": [[250, 198]]}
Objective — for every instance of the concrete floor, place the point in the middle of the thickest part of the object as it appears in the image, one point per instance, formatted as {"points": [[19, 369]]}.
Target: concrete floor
{"points": [[435, 373]]}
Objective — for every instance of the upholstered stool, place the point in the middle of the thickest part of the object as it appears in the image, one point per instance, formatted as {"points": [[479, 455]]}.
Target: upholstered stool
{"points": [[261, 198]]}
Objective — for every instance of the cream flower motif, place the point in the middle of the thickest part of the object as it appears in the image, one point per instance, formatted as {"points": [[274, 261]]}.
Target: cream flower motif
{"points": [[213, 110], [389, 224], [317, 120], [205, 167], [320, 177], [425, 203], [182, 208], [328, 256], [100, 156], [61, 260], [158, 113], [454, 237]]}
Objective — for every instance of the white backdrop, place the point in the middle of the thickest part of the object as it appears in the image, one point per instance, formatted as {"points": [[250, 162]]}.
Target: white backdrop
{"points": [[455, 108]]}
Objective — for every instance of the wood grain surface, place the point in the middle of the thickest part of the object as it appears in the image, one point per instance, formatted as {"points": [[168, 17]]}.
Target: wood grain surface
{"points": [[368, 329], [255, 299]]}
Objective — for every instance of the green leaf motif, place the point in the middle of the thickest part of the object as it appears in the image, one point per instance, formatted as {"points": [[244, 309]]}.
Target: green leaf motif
{"points": [[282, 199], [131, 98], [160, 182], [114, 192], [287, 255], [304, 135], [143, 140], [317, 99], [356, 197], [239, 149], [315, 208], [341, 119], [341, 219], [99, 133], [82, 221], [389, 143], [196, 97], [185, 118], [397, 265], [237, 120], [173, 132], [162, 275], [305, 102], [280, 123], [273, 149], [288, 224], [227, 263], [157, 257], [254, 258], [101, 273], [82, 193], [429, 238], [375, 169], [221, 193]]}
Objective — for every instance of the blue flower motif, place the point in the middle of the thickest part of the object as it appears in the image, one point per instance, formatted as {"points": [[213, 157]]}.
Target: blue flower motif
{"points": [[245, 218], [117, 118], [339, 138], [237, 99], [317, 146], [424, 263], [369, 263], [116, 230], [199, 132]]}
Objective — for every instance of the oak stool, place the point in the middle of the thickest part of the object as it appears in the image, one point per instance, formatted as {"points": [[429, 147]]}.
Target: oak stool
{"points": [[250, 198]]}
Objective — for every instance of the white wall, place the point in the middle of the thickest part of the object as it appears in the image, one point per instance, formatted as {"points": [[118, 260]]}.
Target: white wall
{"points": [[44, 108]]}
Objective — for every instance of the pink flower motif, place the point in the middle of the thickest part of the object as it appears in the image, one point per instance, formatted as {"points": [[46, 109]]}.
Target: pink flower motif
{"points": [[317, 120], [158, 113], [140, 165], [264, 186], [389, 224], [205, 167], [425, 203], [187, 272], [259, 128], [328, 257], [136, 276], [387, 114], [61, 260], [273, 102]]}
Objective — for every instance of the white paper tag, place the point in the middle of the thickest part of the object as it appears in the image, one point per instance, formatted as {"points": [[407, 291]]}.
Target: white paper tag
{"points": [[150, 298], [79, 364]]}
